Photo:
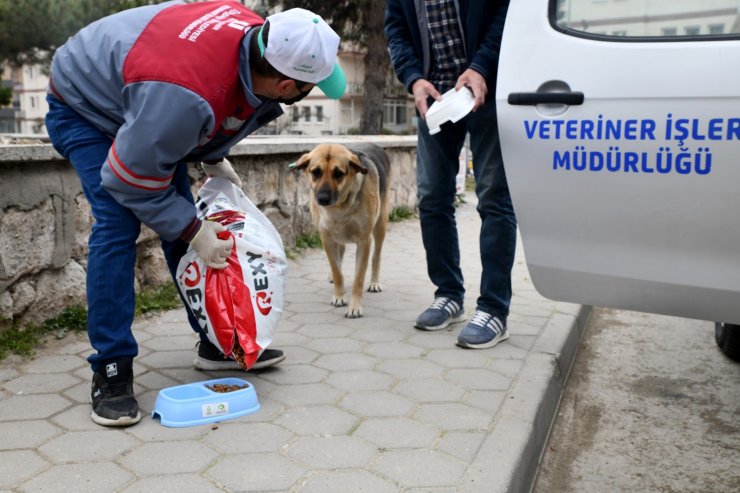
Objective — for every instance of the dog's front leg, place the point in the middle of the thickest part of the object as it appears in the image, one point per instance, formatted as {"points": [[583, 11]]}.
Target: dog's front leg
{"points": [[333, 252], [355, 302], [379, 237], [340, 257]]}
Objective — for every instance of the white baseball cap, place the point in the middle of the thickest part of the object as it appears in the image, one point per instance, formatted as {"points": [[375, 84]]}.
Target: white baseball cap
{"points": [[302, 46]]}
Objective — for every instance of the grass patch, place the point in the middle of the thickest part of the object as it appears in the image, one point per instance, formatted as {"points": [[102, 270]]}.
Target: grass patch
{"points": [[157, 298], [17, 341], [310, 240], [23, 341], [72, 319], [400, 213]]}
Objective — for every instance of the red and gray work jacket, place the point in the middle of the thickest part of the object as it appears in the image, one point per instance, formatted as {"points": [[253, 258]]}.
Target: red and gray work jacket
{"points": [[168, 83]]}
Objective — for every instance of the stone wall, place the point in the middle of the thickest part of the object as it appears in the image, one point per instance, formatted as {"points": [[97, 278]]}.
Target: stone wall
{"points": [[45, 219]]}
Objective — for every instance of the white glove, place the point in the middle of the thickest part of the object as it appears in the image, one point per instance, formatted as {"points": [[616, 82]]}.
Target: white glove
{"points": [[213, 250], [222, 169]]}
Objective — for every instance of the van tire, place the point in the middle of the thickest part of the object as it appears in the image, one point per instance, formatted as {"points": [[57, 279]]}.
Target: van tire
{"points": [[728, 339]]}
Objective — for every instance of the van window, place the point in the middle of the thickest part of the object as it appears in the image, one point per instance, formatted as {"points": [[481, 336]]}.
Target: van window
{"points": [[678, 19]]}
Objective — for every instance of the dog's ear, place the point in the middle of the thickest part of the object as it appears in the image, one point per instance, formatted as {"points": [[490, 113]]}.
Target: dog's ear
{"points": [[302, 162], [355, 162]]}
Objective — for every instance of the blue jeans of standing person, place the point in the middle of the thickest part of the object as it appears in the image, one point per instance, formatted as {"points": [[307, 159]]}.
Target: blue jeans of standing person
{"points": [[437, 165], [112, 242]]}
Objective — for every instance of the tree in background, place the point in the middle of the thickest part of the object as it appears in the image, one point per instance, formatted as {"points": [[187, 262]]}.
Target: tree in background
{"points": [[359, 22], [31, 30], [6, 96]]}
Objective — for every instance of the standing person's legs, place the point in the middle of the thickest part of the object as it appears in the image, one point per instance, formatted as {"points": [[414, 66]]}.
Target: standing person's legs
{"points": [[498, 232], [437, 165], [110, 268], [498, 222]]}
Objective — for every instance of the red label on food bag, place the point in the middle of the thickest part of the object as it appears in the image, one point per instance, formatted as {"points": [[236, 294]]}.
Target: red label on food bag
{"points": [[263, 303], [227, 311]]}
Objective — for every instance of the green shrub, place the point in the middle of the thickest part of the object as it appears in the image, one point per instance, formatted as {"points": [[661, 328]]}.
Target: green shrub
{"points": [[310, 240], [400, 213], [24, 340], [73, 319], [157, 298], [21, 342], [6, 96]]}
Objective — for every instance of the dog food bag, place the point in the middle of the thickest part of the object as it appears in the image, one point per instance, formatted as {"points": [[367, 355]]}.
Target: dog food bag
{"points": [[238, 307]]}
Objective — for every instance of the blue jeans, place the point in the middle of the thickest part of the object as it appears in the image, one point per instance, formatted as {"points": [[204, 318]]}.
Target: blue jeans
{"points": [[112, 243], [436, 167]]}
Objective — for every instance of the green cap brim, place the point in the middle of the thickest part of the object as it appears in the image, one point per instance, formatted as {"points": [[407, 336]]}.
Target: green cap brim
{"points": [[334, 85]]}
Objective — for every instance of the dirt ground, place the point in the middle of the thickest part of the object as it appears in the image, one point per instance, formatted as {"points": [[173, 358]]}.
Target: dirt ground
{"points": [[651, 405]]}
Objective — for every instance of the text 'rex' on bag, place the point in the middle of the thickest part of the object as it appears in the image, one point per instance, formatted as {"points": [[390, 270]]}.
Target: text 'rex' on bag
{"points": [[238, 307]]}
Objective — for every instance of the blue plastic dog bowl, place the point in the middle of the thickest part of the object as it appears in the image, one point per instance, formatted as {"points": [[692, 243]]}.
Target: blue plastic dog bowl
{"points": [[196, 404]]}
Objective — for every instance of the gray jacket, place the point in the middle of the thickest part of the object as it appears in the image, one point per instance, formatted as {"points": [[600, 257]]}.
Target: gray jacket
{"points": [[168, 83]]}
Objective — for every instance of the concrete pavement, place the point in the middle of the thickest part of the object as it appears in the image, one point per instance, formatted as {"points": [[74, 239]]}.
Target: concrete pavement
{"points": [[651, 405], [369, 404]]}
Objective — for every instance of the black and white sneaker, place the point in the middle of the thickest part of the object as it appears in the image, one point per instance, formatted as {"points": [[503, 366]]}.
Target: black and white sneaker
{"points": [[112, 395], [209, 358], [483, 331], [441, 313]]}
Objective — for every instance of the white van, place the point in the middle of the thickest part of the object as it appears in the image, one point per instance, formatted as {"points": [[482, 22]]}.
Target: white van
{"points": [[620, 130]]}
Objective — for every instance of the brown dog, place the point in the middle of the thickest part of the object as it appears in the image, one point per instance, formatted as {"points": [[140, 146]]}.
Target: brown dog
{"points": [[350, 204]]}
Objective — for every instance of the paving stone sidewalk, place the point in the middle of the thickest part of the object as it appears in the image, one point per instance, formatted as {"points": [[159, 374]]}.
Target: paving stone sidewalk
{"points": [[369, 405]]}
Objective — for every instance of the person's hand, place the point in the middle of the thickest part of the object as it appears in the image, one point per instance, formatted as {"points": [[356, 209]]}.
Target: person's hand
{"points": [[422, 90], [222, 169], [476, 83], [213, 250]]}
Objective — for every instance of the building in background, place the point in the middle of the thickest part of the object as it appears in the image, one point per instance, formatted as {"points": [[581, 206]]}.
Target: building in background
{"points": [[25, 114], [319, 115], [640, 18]]}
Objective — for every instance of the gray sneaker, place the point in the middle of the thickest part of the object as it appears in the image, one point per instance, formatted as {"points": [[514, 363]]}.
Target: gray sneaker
{"points": [[483, 331], [441, 313]]}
